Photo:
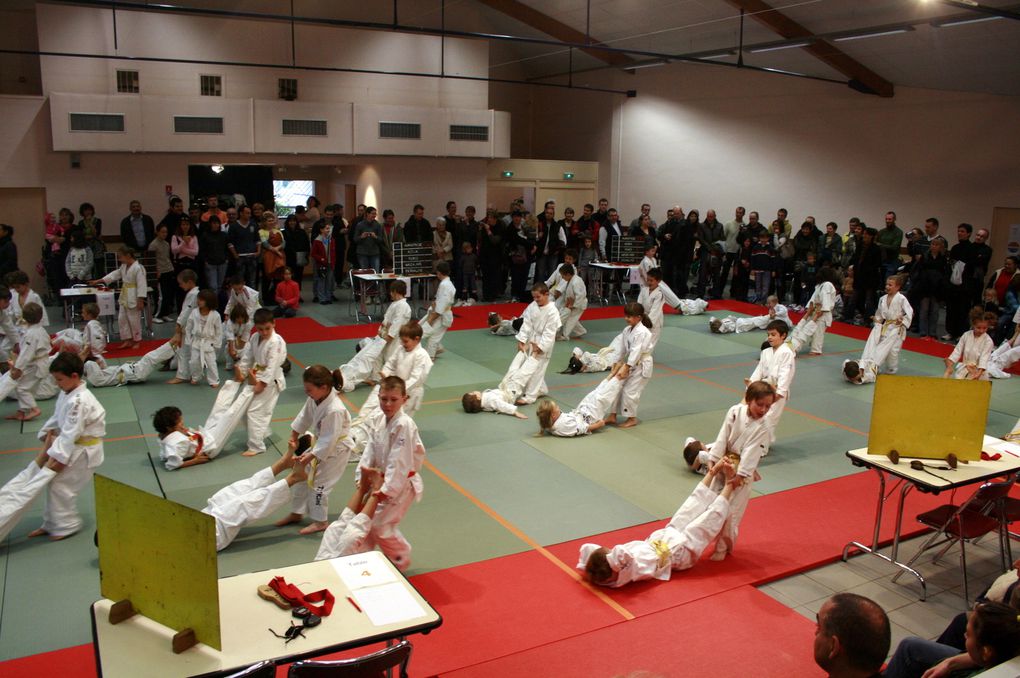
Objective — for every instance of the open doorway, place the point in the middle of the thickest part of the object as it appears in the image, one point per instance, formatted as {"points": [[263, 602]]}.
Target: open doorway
{"points": [[232, 184]]}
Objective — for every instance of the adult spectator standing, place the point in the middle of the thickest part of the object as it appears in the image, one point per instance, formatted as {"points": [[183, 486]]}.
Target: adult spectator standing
{"points": [[831, 248], [92, 227], [867, 272], [174, 213], [341, 231], [521, 248], [852, 638], [645, 230], [731, 229], [646, 211], [491, 257], [8, 250], [931, 231], [677, 238], [243, 242], [184, 252], [466, 231], [601, 217], [442, 242], [609, 232], [137, 229], [852, 242], [981, 261], [1000, 278], [710, 231], [212, 244], [392, 233], [889, 240], [929, 280], [586, 223], [58, 235], [296, 248], [368, 240], [958, 296], [212, 206], [782, 216], [550, 241], [572, 229], [417, 229]]}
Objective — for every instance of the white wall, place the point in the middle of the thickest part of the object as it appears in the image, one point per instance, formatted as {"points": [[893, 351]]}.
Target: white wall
{"points": [[714, 138]]}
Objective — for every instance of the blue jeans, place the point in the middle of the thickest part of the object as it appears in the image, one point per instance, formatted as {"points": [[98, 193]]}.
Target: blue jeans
{"points": [[914, 656], [246, 267], [324, 283], [215, 274], [372, 261]]}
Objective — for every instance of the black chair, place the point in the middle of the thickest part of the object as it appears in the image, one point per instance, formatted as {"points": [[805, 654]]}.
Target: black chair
{"points": [[264, 669], [373, 665]]}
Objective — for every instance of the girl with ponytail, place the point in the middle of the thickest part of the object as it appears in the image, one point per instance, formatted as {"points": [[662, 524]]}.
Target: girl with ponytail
{"points": [[634, 367], [324, 417]]}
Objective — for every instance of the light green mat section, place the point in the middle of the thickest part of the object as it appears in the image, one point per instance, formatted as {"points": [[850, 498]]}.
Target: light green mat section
{"points": [[551, 489]]}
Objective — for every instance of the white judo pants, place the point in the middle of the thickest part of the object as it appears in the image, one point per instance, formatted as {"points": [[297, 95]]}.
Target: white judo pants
{"points": [[758, 322], [260, 415], [365, 363], [385, 533], [693, 527], [529, 371], [738, 505], [231, 403], [600, 401], [243, 502], [184, 362], [809, 330], [19, 493], [61, 517], [432, 335], [630, 394], [311, 498], [345, 536], [570, 322], [203, 360], [1002, 357], [129, 323], [26, 385], [883, 346]]}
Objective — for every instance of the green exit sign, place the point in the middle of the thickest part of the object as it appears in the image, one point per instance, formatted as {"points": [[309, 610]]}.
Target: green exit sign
{"points": [[507, 174], [568, 176]]}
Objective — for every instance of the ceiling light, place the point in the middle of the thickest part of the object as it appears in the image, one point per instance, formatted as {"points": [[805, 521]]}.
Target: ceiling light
{"points": [[216, 168], [718, 55], [785, 45], [648, 64], [960, 22], [861, 36]]}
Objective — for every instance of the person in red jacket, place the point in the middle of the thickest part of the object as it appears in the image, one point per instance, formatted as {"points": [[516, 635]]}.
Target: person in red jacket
{"points": [[288, 295], [324, 256]]}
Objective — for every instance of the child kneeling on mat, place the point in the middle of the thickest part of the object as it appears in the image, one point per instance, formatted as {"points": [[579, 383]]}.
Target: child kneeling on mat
{"points": [[677, 546]]}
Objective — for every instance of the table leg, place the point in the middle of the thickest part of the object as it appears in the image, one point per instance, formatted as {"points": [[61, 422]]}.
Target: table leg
{"points": [[874, 548]]}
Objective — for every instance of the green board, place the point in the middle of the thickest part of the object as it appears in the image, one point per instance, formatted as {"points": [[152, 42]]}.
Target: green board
{"points": [[929, 417], [161, 556]]}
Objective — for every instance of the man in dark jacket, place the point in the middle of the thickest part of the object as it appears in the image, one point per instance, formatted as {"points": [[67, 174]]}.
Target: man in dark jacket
{"points": [[417, 228], [8, 250], [136, 229]]}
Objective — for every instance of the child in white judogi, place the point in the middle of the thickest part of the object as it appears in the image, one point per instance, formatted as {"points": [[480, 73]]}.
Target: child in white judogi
{"points": [[648, 262], [589, 415], [374, 352], [600, 361], [93, 343], [31, 362], [180, 446], [204, 334], [558, 287], [818, 315], [327, 420], [1005, 355], [188, 281], [241, 294], [634, 368], [572, 302], [72, 450], [412, 364], [656, 294], [347, 534], [969, 360], [130, 373], [492, 400], [535, 340], [776, 366], [776, 311], [262, 365], [505, 327], [8, 325], [440, 313], [677, 546], [395, 449], [255, 498], [236, 333], [21, 296], [745, 435], [882, 350], [133, 292]]}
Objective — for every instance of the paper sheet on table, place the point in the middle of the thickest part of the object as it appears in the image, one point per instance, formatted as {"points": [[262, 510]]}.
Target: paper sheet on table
{"points": [[365, 570], [107, 306], [1004, 446], [388, 604]]}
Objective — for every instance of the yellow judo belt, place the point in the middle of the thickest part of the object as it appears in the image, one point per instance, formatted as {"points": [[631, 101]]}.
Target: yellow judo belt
{"points": [[662, 551], [123, 292], [88, 441]]}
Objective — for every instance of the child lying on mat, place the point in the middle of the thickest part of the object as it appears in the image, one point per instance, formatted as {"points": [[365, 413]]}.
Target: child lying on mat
{"points": [[503, 327], [600, 361], [180, 446], [677, 546], [587, 417], [776, 311]]}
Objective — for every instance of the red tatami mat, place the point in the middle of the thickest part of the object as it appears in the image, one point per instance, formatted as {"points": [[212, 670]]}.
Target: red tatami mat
{"points": [[781, 534], [739, 633]]}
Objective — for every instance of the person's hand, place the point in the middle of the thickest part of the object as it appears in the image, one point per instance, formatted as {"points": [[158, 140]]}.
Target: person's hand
{"points": [[15, 373], [237, 374], [305, 458], [535, 350], [140, 305], [520, 415], [259, 387], [201, 458], [520, 346], [940, 670]]}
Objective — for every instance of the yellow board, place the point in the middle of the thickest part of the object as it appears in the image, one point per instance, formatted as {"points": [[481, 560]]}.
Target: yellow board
{"points": [[929, 417], [161, 556]]}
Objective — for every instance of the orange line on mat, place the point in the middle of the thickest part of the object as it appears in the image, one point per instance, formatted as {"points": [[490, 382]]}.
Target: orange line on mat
{"points": [[516, 531]]}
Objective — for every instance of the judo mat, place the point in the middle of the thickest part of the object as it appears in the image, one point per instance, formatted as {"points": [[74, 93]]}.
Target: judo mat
{"points": [[495, 537]]}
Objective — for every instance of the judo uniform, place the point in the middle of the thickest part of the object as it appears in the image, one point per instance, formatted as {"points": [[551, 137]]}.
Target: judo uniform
{"points": [[595, 406], [330, 423], [265, 359], [432, 333], [204, 334], [824, 298], [539, 327], [576, 293], [636, 348], [971, 350], [133, 288]]}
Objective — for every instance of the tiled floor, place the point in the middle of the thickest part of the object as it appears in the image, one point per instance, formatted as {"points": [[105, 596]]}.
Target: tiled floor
{"points": [[872, 577]]}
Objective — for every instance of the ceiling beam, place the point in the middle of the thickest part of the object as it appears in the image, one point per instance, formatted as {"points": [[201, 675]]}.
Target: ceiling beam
{"points": [[861, 77], [557, 29]]}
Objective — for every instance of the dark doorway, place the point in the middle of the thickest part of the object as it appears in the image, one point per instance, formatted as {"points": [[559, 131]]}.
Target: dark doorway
{"points": [[253, 182]]}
